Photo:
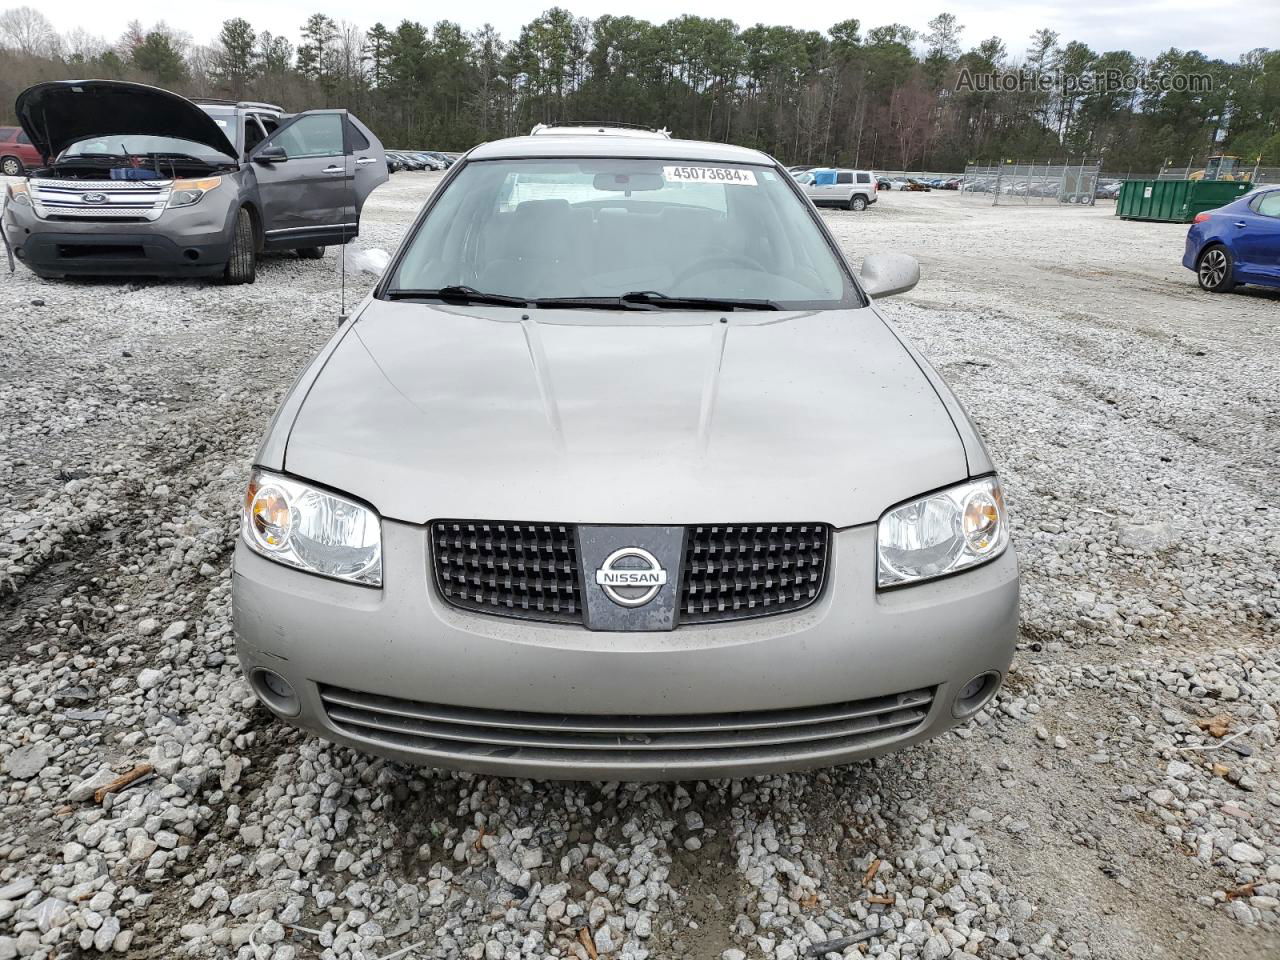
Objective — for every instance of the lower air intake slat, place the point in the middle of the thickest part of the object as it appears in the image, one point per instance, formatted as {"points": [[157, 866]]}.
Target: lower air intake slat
{"points": [[437, 728]]}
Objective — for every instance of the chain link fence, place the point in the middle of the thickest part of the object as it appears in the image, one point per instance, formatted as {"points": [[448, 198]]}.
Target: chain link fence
{"points": [[1051, 182], [1218, 168], [1027, 184]]}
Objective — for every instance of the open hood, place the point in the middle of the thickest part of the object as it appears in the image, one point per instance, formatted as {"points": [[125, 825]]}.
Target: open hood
{"points": [[58, 114]]}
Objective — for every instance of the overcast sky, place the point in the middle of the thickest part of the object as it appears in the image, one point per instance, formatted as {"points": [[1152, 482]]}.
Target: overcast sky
{"points": [[1219, 28]]}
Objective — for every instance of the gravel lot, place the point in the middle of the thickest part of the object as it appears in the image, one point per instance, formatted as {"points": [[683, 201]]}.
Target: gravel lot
{"points": [[1121, 799]]}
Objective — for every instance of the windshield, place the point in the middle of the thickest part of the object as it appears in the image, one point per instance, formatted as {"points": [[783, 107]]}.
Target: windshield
{"points": [[597, 228], [139, 145]]}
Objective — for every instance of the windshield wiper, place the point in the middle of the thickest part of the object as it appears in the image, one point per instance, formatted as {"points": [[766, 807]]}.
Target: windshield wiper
{"points": [[457, 294], [653, 298], [172, 156], [584, 303]]}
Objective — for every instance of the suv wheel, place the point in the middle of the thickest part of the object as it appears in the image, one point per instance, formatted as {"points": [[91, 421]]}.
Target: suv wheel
{"points": [[11, 166], [242, 265], [858, 202], [1214, 269], [310, 253]]}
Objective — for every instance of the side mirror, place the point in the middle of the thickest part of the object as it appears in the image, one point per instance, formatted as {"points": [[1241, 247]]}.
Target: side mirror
{"points": [[886, 274], [271, 155]]}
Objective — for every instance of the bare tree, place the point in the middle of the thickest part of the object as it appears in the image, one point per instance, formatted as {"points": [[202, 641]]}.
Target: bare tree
{"points": [[910, 114], [81, 45], [28, 31], [350, 63], [202, 63]]}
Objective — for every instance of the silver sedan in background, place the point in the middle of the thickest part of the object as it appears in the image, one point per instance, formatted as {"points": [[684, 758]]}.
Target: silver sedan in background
{"points": [[620, 473]]}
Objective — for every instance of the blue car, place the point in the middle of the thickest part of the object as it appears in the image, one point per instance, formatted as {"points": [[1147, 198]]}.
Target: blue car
{"points": [[1238, 243]]}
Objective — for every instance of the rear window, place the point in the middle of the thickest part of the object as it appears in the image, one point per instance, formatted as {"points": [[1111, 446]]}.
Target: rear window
{"points": [[358, 140], [6, 133], [1269, 204], [844, 178], [864, 178]]}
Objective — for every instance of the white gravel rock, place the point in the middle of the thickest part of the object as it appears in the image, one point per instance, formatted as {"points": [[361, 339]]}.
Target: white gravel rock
{"points": [[26, 762]]}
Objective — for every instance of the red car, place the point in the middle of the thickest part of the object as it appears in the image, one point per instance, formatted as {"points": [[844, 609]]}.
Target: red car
{"points": [[16, 152]]}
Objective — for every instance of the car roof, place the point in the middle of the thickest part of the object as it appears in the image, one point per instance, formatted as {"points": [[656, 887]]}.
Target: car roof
{"points": [[552, 145]]}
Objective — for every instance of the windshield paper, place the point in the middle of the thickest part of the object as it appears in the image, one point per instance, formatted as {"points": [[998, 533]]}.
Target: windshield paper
{"points": [[730, 176]]}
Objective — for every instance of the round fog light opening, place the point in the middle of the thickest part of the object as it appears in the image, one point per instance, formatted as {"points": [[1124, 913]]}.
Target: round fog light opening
{"points": [[975, 694], [275, 691]]}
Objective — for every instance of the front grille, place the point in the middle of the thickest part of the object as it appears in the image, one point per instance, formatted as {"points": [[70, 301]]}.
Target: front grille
{"points": [[120, 200], [735, 572], [469, 732], [531, 570], [525, 570]]}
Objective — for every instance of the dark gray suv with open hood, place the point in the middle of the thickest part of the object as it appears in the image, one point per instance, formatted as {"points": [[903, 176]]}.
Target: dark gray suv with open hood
{"points": [[139, 180]]}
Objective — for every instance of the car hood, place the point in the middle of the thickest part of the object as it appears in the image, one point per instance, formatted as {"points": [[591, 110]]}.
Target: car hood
{"points": [[431, 412], [60, 113]]}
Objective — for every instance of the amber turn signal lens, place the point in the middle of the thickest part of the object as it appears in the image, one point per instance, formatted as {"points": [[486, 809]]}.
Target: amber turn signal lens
{"points": [[981, 519], [270, 514]]}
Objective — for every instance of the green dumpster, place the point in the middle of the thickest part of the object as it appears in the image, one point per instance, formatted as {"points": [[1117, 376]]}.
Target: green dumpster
{"points": [[1175, 201]]}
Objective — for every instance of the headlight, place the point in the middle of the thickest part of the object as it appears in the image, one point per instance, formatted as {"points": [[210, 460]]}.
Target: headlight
{"points": [[17, 193], [186, 192], [300, 526], [942, 533]]}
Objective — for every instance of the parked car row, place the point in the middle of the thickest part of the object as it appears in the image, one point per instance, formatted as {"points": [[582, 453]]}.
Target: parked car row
{"points": [[879, 181], [905, 183], [1107, 189], [1041, 188], [132, 179], [1009, 185], [398, 160]]}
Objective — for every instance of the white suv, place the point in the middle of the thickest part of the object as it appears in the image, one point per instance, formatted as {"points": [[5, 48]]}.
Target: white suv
{"points": [[854, 189]]}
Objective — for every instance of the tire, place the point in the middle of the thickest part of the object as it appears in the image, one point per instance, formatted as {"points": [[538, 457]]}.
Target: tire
{"points": [[310, 253], [1214, 268], [11, 166], [858, 202], [242, 265]]}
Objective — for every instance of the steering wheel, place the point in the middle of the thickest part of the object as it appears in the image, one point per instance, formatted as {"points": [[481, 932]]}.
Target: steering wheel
{"points": [[720, 260]]}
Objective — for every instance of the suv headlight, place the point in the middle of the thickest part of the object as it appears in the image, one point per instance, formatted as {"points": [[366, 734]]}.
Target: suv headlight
{"points": [[17, 193], [186, 192], [944, 532], [301, 526]]}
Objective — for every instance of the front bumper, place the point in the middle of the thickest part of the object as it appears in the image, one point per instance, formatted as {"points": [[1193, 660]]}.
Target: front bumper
{"points": [[399, 673], [189, 242]]}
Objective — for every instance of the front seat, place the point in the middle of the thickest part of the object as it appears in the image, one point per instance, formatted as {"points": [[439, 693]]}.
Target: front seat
{"points": [[537, 252]]}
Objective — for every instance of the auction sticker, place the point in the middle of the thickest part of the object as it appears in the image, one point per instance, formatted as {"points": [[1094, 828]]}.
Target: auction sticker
{"points": [[727, 175]]}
